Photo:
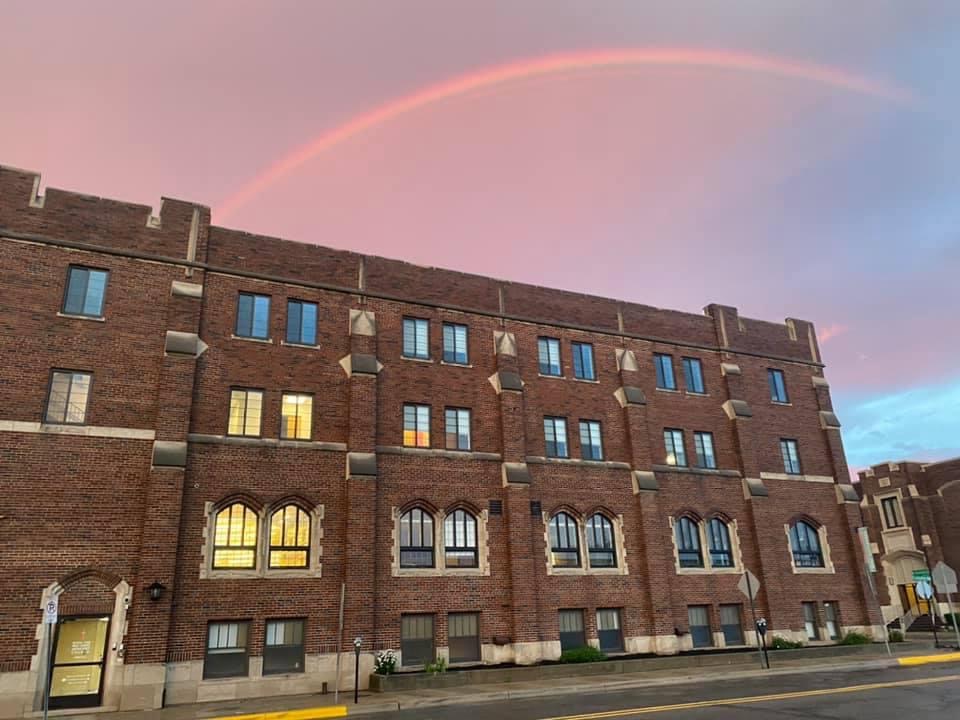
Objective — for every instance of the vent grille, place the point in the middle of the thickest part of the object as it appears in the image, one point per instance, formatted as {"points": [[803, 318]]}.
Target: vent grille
{"points": [[535, 510], [496, 507]]}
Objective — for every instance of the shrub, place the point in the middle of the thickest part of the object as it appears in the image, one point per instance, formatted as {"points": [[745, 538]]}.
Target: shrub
{"points": [[779, 643], [437, 666], [855, 638], [948, 618], [385, 662], [581, 655], [895, 636]]}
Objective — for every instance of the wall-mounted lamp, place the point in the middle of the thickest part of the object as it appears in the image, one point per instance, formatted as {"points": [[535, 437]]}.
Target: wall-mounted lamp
{"points": [[155, 591]]}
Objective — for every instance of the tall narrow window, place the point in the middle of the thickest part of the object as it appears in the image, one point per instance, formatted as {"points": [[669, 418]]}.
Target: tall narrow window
{"points": [[731, 625], [832, 617], [85, 290], [688, 543], [891, 512], [608, 630], [289, 538], [805, 545], [548, 350], [283, 647], [253, 316], [600, 544], [226, 654], [693, 375], [571, 630], [416, 338], [703, 442], [463, 631], [663, 364], [296, 416], [457, 428], [583, 361], [245, 409], [301, 322], [416, 539], [673, 443], [718, 534], [700, 633], [416, 425], [591, 446], [810, 623], [791, 458], [416, 640], [555, 436], [460, 539], [778, 387], [455, 344], [68, 397], [564, 541], [235, 538]]}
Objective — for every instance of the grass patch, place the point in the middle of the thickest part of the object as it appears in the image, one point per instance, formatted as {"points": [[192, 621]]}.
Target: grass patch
{"points": [[582, 655]]}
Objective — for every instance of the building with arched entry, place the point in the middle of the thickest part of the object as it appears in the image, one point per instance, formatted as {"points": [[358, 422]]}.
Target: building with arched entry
{"points": [[207, 438], [912, 510]]}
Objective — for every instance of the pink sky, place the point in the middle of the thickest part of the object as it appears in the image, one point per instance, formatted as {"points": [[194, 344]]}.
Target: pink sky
{"points": [[669, 184]]}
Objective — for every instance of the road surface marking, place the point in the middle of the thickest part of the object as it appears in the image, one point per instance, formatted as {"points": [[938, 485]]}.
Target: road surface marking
{"points": [[754, 699], [924, 659]]}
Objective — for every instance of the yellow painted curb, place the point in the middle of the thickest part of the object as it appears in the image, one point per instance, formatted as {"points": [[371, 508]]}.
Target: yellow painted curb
{"points": [[924, 659], [318, 713]]}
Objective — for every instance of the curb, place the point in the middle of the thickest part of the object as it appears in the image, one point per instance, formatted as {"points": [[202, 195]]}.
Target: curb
{"points": [[317, 713], [925, 659]]}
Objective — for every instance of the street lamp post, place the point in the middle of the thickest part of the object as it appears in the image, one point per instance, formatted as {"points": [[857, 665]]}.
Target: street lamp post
{"points": [[357, 642]]}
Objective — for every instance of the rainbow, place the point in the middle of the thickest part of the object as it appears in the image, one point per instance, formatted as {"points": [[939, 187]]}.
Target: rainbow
{"points": [[552, 65]]}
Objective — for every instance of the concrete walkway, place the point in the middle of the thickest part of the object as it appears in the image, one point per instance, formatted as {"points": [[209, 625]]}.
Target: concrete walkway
{"points": [[387, 702]]}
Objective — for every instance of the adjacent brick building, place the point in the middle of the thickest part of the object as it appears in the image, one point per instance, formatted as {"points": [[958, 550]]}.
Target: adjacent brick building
{"points": [[912, 511], [205, 435]]}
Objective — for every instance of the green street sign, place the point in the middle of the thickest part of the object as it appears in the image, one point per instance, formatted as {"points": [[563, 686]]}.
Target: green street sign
{"points": [[919, 575]]}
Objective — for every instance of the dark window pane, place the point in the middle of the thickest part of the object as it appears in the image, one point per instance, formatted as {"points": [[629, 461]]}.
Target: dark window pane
{"points": [[700, 626], [608, 630], [571, 630], [464, 637], [731, 625], [283, 647], [416, 639]]}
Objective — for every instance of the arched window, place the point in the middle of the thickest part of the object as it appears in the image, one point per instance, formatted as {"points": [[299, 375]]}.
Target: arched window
{"points": [[805, 543], [289, 538], [416, 539], [564, 541], [718, 536], [460, 539], [600, 542], [688, 543], [235, 538]]}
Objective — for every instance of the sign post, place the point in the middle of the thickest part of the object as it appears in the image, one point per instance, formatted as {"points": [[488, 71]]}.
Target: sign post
{"points": [[924, 591], [51, 612], [870, 567], [336, 686], [750, 586], [945, 580]]}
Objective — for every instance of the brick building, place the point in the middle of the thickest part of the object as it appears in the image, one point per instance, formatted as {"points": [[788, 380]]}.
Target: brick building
{"points": [[912, 511], [206, 434]]}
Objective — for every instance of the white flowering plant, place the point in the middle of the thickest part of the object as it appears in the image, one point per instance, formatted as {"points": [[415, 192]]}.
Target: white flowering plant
{"points": [[385, 662]]}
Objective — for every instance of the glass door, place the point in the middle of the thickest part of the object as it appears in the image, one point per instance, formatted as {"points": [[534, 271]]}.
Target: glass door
{"points": [[80, 646]]}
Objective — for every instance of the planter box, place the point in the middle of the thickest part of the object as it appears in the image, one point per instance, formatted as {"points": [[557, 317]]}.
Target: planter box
{"points": [[510, 674]]}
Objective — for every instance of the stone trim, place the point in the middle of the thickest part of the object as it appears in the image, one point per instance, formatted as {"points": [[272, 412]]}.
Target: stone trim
{"points": [[608, 464], [360, 364], [168, 453], [98, 431], [644, 480], [439, 556], [504, 343], [828, 420], [363, 322], [204, 439], [708, 569], [504, 380], [515, 473], [629, 395], [827, 569], [315, 569], [179, 288], [729, 369], [819, 381], [846, 493], [737, 409], [362, 464], [437, 452], [585, 568], [754, 487], [627, 360], [692, 470], [801, 478]]}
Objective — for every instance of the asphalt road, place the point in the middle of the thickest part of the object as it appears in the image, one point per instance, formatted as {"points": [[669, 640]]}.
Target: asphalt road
{"points": [[928, 691]]}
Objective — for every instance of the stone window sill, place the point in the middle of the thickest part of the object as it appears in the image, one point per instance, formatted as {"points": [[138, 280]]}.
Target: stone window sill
{"points": [[305, 346], [262, 341], [589, 381], [456, 364], [710, 571], [71, 316], [813, 571], [667, 390], [426, 360], [781, 404], [441, 572], [552, 377]]}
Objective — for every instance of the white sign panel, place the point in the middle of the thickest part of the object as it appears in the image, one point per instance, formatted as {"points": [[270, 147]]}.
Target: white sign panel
{"points": [[754, 585], [945, 578], [867, 552], [924, 590], [50, 611]]}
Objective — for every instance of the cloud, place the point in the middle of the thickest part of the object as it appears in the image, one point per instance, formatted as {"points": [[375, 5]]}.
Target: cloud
{"points": [[919, 423], [831, 331]]}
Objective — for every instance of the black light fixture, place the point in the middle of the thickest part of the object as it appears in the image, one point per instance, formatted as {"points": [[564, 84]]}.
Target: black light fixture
{"points": [[156, 590]]}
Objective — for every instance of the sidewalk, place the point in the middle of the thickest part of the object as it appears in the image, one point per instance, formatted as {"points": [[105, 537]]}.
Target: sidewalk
{"points": [[388, 702]]}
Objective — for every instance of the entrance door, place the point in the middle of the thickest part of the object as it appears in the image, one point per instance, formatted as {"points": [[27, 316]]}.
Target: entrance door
{"points": [[80, 646], [912, 602]]}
